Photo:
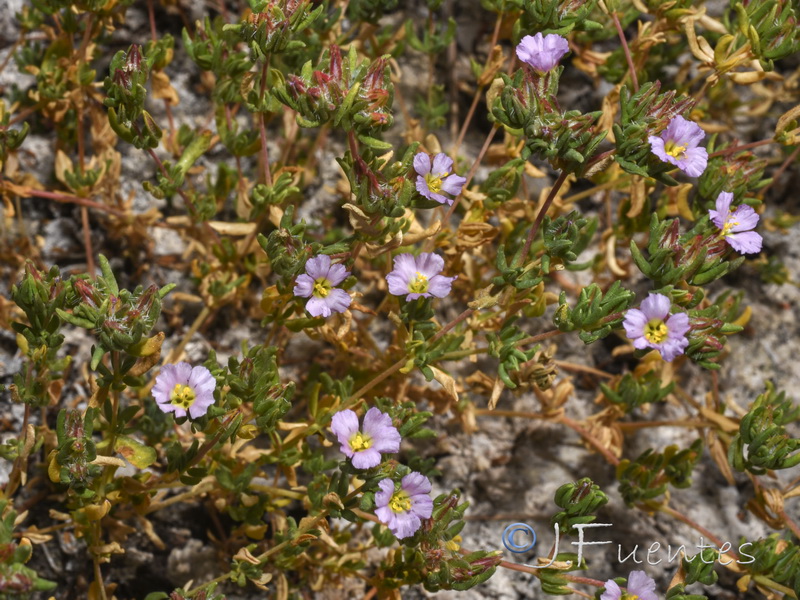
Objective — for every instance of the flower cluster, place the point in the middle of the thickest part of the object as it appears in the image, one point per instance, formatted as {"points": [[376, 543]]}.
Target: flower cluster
{"points": [[182, 388], [419, 276], [412, 277], [319, 283], [364, 446], [737, 226], [437, 178], [678, 145], [650, 327], [401, 508], [640, 587], [542, 53]]}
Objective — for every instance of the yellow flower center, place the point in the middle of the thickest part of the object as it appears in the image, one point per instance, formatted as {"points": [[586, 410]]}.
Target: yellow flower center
{"points": [[726, 229], [656, 331], [419, 285], [322, 287], [182, 396], [629, 597], [400, 502], [360, 442], [435, 181], [674, 150]]}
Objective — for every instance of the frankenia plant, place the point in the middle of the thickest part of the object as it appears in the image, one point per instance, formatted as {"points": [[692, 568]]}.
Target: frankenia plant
{"points": [[319, 284], [736, 227], [365, 446], [436, 177], [181, 388], [654, 327], [419, 276], [402, 507], [678, 145], [294, 442]]}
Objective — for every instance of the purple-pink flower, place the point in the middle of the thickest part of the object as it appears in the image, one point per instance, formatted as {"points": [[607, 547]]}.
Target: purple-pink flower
{"points": [[737, 226], [650, 327], [678, 145], [432, 180], [542, 52], [364, 446], [640, 587], [319, 283], [180, 388], [403, 509], [413, 277]]}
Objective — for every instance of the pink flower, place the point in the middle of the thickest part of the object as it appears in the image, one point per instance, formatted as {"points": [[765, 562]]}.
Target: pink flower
{"points": [[650, 327], [318, 283], [364, 447], [402, 510], [542, 52], [182, 387], [736, 227], [439, 178], [413, 277], [640, 587], [678, 145]]}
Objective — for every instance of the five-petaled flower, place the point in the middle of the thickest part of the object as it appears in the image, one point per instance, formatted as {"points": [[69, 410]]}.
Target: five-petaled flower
{"points": [[542, 53], [402, 510], [180, 388], [438, 178], [319, 283], [364, 446], [650, 327], [413, 277], [737, 226], [678, 145], [640, 587]]}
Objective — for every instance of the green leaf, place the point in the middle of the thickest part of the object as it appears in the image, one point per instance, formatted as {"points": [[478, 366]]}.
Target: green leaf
{"points": [[135, 452]]}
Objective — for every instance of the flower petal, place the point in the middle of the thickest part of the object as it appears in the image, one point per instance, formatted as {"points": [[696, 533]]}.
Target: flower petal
{"points": [[747, 242], [671, 348], [422, 164], [337, 274], [695, 161], [429, 264], [318, 266], [383, 496], [678, 325], [442, 164], [317, 307], [378, 426], [422, 187], [338, 300], [344, 425], [453, 184], [745, 217], [416, 483], [405, 525], [439, 285], [723, 206], [657, 148], [613, 591], [639, 584], [366, 459], [656, 306], [303, 286], [634, 323]]}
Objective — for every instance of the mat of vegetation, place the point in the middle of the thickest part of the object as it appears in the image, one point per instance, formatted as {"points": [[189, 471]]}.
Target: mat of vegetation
{"points": [[383, 299]]}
